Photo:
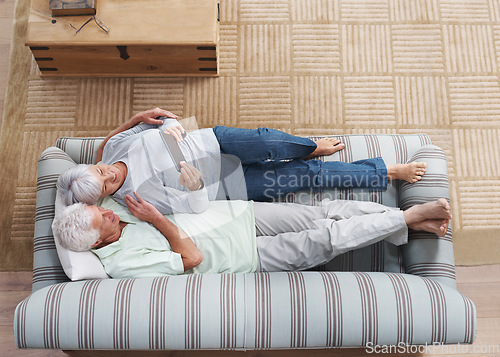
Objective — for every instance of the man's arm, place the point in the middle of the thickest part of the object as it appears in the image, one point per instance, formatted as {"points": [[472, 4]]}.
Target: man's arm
{"points": [[148, 117], [178, 239], [179, 242]]}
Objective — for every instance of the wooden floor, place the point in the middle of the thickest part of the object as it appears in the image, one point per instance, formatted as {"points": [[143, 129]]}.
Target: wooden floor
{"points": [[481, 284]]}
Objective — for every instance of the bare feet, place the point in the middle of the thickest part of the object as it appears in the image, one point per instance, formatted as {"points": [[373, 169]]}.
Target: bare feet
{"points": [[438, 226], [411, 172], [439, 209], [326, 146], [431, 217]]}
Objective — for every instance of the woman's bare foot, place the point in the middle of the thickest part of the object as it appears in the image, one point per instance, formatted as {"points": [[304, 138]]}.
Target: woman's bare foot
{"points": [[326, 146], [438, 226], [436, 210], [411, 172]]}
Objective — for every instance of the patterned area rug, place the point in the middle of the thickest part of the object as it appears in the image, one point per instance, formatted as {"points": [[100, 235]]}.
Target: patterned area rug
{"points": [[308, 67]]}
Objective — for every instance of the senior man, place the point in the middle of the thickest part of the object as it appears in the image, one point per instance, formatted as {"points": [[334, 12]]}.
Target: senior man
{"points": [[235, 236]]}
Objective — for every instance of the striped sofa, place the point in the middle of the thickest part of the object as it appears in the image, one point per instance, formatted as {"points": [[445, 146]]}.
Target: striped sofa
{"points": [[379, 295]]}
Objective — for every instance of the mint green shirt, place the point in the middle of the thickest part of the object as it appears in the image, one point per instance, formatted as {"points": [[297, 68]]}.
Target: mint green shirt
{"points": [[224, 233]]}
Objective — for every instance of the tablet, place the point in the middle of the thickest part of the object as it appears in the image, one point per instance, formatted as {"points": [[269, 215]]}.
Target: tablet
{"points": [[173, 149]]}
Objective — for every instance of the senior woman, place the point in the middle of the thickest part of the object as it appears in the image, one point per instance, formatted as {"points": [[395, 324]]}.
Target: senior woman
{"points": [[261, 164]]}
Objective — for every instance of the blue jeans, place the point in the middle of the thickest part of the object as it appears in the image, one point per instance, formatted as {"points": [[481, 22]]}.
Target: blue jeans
{"points": [[273, 164]]}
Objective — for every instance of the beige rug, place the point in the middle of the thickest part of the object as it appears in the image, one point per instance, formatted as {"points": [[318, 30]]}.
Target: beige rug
{"points": [[304, 66]]}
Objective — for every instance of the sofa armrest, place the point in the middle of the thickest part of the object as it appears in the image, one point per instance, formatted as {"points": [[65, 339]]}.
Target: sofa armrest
{"points": [[426, 254], [47, 269], [81, 150]]}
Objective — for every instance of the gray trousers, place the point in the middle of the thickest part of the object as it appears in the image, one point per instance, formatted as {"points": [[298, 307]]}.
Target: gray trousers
{"points": [[296, 237]]}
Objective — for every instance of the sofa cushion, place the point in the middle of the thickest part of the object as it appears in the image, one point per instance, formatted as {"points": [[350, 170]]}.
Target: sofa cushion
{"points": [[393, 148], [279, 310]]}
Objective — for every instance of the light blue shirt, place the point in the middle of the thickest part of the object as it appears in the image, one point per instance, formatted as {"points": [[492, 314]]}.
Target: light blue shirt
{"points": [[224, 233], [140, 253]]}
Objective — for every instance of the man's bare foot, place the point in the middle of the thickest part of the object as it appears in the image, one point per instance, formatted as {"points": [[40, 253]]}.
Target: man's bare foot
{"points": [[439, 209], [438, 226], [325, 146], [411, 172]]}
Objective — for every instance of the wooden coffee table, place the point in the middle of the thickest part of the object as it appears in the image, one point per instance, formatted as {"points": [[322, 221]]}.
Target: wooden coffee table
{"points": [[128, 38]]}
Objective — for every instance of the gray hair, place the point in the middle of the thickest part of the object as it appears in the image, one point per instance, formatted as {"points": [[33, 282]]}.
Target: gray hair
{"points": [[73, 228], [78, 184]]}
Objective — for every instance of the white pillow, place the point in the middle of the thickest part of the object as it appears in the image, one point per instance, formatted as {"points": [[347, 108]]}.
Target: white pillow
{"points": [[78, 265]]}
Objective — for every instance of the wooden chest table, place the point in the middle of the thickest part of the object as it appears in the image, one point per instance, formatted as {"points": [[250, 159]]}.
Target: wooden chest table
{"points": [[145, 38]]}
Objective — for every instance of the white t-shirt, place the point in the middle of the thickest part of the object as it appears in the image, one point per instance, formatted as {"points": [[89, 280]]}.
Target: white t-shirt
{"points": [[152, 172]]}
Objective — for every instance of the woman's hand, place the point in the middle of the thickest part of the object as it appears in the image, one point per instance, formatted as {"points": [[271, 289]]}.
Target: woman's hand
{"points": [[177, 132], [190, 176], [142, 209], [149, 116]]}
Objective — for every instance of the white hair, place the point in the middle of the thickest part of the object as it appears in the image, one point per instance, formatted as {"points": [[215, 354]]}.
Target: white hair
{"points": [[78, 184], [73, 228]]}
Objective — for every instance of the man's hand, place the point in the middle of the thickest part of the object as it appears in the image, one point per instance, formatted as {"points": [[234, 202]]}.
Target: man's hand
{"points": [[178, 239], [190, 176], [149, 116], [142, 209]]}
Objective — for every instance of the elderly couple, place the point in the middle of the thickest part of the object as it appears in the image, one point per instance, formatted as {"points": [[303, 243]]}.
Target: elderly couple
{"points": [[157, 216]]}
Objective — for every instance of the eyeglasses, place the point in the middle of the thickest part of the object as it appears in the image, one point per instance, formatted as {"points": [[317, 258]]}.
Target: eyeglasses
{"points": [[98, 22]]}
